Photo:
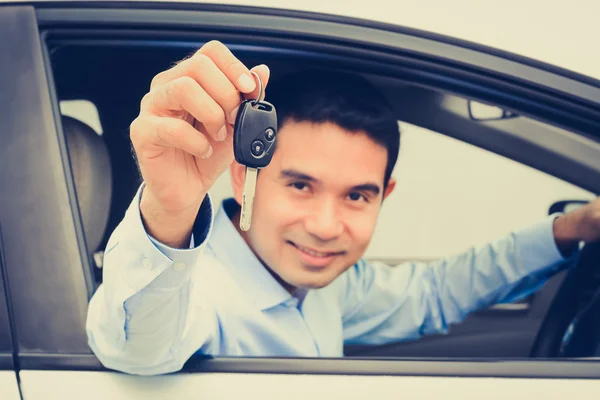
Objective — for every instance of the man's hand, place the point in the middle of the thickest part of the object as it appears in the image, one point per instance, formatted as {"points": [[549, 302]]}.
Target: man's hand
{"points": [[582, 224], [183, 136]]}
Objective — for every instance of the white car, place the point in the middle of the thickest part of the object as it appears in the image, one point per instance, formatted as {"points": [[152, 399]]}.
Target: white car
{"points": [[500, 111]]}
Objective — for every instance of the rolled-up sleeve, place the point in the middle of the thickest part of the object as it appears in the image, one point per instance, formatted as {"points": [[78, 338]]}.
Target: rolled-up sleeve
{"points": [[138, 319], [384, 304]]}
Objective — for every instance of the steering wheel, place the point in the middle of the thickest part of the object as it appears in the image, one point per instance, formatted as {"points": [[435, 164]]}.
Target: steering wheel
{"points": [[571, 327]]}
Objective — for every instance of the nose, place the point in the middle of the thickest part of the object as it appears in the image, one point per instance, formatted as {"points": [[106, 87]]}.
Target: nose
{"points": [[324, 222]]}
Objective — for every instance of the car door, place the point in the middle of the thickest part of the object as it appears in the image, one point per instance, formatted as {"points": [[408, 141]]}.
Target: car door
{"points": [[47, 261]]}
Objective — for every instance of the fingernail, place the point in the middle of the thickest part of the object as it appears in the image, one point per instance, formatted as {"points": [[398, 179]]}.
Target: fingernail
{"points": [[246, 83], [222, 134], [264, 66], [208, 152], [233, 114]]}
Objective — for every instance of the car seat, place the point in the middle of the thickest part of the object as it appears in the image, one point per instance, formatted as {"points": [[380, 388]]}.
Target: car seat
{"points": [[92, 174]]}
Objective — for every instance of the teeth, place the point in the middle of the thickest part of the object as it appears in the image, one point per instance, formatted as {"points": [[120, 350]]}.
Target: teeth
{"points": [[313, 253]]}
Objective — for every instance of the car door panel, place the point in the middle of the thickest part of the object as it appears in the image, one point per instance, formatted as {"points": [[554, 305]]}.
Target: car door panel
{"points": [[40, 385], [9, 388]]}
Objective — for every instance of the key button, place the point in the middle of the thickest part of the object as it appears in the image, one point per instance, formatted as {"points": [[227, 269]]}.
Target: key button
{"points": [[270, 134], [258, 148]]}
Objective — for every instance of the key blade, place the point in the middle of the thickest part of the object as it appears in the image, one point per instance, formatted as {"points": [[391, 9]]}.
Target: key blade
{"points": [[248, 198]]}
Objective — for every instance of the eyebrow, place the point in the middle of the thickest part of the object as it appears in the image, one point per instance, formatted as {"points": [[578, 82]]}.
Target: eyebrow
{"points": [[364, 187], [293, 174], [367, 187]]}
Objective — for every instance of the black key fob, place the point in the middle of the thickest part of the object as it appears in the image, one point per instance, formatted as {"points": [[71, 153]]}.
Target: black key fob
{"points": [[254, 133]]}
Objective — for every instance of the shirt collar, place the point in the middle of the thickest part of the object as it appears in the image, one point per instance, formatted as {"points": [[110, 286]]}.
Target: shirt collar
{"points": [[230, 248]]}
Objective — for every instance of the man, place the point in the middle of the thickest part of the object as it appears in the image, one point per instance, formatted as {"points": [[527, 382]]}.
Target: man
{"points": [[180, 279]]}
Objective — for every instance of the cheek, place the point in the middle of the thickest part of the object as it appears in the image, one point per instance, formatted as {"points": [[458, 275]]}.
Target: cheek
{"points": [[273, 214], [360, 226], [274, 204]]}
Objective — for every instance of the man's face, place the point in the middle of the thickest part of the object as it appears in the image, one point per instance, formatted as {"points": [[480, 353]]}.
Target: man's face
{"points": [[317, 202]]}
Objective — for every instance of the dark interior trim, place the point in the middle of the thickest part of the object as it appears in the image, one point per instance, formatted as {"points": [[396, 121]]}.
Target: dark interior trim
{"points": [[570, 369]]}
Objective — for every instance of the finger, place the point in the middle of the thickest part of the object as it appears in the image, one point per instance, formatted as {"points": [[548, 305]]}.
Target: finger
{"points": [[184, 94], [204, 71], [233, 68], [264, 73], [149, 132]]}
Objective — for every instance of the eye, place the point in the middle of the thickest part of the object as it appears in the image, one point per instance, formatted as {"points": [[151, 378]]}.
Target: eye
{"points": [[301, 186], [356, 196]]}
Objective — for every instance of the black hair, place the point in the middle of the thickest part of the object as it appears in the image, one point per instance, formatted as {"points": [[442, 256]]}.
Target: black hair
{"points": [[347, 100]]}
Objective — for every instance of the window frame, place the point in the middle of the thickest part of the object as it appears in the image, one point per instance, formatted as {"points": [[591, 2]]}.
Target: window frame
{"points": [[549, 100]]}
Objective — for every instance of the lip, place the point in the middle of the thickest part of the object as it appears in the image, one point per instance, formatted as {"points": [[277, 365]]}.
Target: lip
{"points": [[315, 261]]}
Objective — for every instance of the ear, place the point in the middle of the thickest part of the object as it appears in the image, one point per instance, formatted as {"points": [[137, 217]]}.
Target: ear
{"points": [[390, 188], [238, 175]]}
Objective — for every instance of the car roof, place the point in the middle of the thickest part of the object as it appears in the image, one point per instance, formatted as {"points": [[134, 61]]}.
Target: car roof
{"points": [[564, 36]]}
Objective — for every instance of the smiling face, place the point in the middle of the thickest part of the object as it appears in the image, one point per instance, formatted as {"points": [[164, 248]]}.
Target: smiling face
{"points": [[316, 204]]}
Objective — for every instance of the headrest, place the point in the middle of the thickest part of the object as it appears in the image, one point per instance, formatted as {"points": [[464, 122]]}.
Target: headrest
{"points": [[92, 173]]}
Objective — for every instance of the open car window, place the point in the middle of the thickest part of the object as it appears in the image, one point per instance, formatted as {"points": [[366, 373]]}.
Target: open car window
{"points": [[450, 196]]}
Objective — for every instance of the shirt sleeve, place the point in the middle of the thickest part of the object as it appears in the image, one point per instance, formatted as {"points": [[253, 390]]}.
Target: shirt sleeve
{"points": [[144, 318], [387, 304]]}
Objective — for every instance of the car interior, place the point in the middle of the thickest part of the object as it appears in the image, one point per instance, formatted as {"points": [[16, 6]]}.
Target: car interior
{"points": [[115, 75]]}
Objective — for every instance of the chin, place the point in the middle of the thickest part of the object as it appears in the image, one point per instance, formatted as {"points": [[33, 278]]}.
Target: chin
{"points": [[310, 282]]}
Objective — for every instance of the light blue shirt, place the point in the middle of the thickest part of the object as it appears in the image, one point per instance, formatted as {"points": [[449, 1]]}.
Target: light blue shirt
{"points": [[158, 306]]}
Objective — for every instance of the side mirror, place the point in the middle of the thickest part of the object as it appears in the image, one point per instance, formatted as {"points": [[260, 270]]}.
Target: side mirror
{"points": [[485, 112], [566, 206]]}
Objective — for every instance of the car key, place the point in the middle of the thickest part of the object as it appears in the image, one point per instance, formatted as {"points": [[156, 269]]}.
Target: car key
{"points": [[253, 145]]}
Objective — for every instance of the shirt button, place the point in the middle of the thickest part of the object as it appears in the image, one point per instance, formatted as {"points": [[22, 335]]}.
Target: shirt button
{"points": [[291, 303], [147, 263], [179, 266], [128, 317]]}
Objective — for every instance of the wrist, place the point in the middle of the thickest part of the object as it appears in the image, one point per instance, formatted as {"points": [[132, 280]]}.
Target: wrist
{"points": [[172, 228], [566, 232]]}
